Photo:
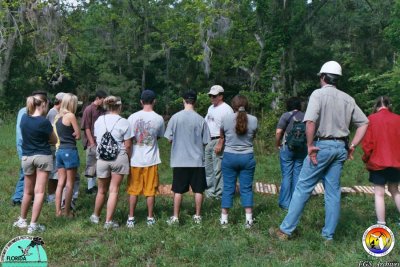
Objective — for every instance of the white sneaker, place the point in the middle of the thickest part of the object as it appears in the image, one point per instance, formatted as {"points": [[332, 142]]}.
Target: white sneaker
{"points": [[94, 219], [20, 223], [131, 223], [248, 224], [173, 220], [224, 223], [111, 225], [151, 221], [36, 228], [197, 219]]}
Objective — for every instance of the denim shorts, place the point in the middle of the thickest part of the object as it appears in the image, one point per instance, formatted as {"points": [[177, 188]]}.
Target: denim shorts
{"points": [[67, 158]]}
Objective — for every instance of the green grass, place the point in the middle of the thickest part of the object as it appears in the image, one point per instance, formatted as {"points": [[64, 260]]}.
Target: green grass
{"points": [[78, 243]]}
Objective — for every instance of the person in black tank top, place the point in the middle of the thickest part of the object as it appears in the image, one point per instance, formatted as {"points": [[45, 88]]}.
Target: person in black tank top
{"points": [[67, 158]]}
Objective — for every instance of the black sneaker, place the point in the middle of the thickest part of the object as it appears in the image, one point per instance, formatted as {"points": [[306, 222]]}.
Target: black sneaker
{"points": [[92, 190], [16, 202]]}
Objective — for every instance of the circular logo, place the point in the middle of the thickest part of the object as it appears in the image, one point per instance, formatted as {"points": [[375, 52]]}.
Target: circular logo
{"points": [[378, 240], [24, 251]]}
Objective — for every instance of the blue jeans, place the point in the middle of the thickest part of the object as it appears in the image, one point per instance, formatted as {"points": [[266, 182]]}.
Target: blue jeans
{"points": [[19, 188], [330, 157], [234, 165], [291, 164]]}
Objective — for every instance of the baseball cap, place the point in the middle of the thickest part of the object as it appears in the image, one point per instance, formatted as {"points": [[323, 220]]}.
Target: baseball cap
{"points": [[216, 90], [60, 96], [147, 95], [190, 95]]}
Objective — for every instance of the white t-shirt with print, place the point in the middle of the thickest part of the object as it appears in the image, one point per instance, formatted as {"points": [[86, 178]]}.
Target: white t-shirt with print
{"points": [[120, 132], [214, 117], [146, 128]]}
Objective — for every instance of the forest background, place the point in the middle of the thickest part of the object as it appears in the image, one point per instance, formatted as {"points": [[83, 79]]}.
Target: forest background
{"points": [[268, 50]]}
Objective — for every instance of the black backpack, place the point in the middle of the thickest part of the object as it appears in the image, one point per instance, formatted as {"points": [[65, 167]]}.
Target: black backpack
{"points": [[108, 149], [296, 139]]}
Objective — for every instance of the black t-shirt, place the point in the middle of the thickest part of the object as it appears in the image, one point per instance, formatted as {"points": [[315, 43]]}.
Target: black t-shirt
{"points": [[35, 132]]}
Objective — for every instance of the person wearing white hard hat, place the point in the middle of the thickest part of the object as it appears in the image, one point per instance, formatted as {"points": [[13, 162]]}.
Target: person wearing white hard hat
{"points": [[329, 114], [216, 112]]}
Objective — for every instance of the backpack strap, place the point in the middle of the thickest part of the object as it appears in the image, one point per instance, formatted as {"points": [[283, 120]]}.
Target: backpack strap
{"points": [[105, 124]]}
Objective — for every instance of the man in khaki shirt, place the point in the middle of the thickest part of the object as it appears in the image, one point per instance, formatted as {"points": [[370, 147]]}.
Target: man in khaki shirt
{"points": [[327, 118]]}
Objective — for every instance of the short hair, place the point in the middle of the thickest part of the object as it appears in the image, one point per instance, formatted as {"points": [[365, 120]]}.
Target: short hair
{"points": [[330, 78], [293, 103], [101, 94]]}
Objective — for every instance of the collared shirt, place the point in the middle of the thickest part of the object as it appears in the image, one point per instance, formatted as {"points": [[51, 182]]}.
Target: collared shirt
{"points": [[89, 117], [332, 111], [381, 141]]}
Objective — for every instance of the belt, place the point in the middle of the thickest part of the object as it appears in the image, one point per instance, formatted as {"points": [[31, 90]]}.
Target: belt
{"points": [[215, 137], [344, 138]]}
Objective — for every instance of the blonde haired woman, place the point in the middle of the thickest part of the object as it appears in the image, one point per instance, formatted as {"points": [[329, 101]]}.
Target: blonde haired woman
{"points": [[111, 172], [67, 157], [37, 161]]}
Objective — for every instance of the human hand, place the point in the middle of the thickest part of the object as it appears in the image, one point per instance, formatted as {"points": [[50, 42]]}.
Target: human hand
{"points": [[350, 153], [312, 153], [218, 149]]}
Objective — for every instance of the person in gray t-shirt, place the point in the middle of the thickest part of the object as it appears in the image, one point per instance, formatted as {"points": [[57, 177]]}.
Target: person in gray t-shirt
{"points": [[188, 133], [238, 131]]}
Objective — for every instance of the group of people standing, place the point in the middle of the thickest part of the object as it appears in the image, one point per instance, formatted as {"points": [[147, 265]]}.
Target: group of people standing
{"points": [[190, 135], [208, 154]]}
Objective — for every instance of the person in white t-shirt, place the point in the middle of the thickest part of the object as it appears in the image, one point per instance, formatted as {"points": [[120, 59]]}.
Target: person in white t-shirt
{"points": [[216, 112], [146, 127]]}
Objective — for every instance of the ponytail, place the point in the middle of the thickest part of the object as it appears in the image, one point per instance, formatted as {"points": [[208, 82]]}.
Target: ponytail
{"points": [[240, 105], [32, 102]]}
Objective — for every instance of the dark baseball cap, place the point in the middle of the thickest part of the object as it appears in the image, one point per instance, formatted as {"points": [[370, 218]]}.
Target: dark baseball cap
{"points": [[148, 96], [190, 95]]}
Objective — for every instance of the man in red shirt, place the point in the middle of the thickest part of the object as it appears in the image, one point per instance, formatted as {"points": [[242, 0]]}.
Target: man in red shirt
{"points": [[382, 154], [90, 115]]}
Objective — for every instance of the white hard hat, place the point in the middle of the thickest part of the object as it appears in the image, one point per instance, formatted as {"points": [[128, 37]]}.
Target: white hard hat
{"points": [[331, 67]]}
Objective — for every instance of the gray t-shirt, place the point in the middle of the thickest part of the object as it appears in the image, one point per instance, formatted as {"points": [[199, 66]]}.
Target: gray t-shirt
{"points": [[51, 115], [332, 111], [239, 144], [116, 125], [286, 121], [188, 132]]}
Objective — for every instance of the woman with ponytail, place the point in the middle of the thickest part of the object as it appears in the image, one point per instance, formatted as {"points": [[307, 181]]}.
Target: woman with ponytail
{"points": [[37, 161], [382, 154], [237, 133]]}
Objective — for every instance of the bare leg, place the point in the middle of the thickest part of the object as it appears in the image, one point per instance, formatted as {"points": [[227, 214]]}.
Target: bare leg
{"points": [[101, 195], [198, 198], [225, 211], [40, 189], [62, 177], [132, 205], [380, 202], [116, 180], [71, 173], [150, 206], [177, 204], [394, 190], [29, 185]]}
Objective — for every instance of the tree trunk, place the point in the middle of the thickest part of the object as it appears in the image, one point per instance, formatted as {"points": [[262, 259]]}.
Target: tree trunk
{"points": [[5, 61]]}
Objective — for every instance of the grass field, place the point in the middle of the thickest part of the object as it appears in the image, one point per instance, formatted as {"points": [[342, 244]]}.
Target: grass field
{"points": [[76, 242]]}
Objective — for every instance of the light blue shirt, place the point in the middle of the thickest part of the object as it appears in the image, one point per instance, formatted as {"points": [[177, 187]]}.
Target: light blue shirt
{"points": [[18, 135]]}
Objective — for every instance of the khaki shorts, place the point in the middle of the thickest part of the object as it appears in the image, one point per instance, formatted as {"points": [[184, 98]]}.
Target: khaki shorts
{"points": [[143, 180], [91, 160], [120, 165], [29, 164]]}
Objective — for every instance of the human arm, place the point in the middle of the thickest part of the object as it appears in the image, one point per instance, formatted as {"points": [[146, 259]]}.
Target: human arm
{"points": [[128, 147], [74, 122], [311, 149], [278, 137], [52, 138], [220, 144], [360, 132]]}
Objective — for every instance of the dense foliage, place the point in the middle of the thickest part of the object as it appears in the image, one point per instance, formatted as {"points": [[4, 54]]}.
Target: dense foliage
{"points": [[268, 49]]}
